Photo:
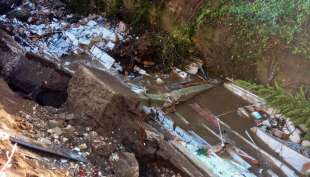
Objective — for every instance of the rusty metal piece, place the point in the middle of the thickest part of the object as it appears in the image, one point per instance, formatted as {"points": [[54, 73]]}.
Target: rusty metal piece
{"points": [[65, 153]]}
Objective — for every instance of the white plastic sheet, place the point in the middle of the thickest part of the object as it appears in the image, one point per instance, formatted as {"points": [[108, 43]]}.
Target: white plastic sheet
{"points": [[102, 57]]}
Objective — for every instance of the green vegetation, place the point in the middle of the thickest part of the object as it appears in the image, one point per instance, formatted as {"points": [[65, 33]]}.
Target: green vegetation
{"points": [[296, 107], [137, 15], [203, 151], [79, 6], [171, 50], [141, 12], [262, 24]]}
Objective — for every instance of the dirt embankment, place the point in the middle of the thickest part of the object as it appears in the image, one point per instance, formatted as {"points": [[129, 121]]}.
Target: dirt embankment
{"points": [[216, 44]]}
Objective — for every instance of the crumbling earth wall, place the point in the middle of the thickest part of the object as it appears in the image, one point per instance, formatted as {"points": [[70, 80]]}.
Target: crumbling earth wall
{"points": [[105, 100], [34, 76]]}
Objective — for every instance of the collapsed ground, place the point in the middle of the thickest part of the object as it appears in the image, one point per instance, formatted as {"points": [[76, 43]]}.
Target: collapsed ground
{"points": [[36, 79], [41, 66]]}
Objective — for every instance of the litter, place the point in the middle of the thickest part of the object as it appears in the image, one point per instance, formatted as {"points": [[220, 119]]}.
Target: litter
{"points": [[102, 57], [192, 68], [56, 38], [180, 73], [256, 115], [190, 143], [290, 156]]}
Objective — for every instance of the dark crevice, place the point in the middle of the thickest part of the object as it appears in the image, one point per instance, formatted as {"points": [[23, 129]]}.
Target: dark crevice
{"points": [[37, 79], [42, 96]]}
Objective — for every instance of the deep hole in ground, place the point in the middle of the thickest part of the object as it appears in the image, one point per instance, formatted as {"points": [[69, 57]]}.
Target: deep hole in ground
{"points": [[42, 96], [35, 78]]}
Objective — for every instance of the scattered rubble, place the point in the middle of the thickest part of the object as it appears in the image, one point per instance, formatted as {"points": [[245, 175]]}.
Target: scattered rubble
{"points": [[51, 34]]}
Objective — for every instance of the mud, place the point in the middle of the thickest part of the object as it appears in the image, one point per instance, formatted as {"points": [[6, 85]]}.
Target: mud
{"points": [[222, 103]]}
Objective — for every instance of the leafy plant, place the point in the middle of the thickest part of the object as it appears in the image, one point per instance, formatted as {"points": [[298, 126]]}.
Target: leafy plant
{"points": [[261, 24], [171, 50]]}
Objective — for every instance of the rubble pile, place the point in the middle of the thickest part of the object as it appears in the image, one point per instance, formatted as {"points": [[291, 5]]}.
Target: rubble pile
{"points": [[57, 129], [49, 32]]}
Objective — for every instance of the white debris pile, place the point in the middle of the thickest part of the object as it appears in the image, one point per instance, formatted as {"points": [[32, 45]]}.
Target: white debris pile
{"points": [[56, 37]]}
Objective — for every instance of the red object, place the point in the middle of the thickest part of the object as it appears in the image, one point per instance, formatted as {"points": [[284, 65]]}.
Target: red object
{"points": [[95, 172], [81, 172]]}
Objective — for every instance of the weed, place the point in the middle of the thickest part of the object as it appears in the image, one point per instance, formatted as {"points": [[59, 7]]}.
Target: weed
{"points": [[172, 50]]}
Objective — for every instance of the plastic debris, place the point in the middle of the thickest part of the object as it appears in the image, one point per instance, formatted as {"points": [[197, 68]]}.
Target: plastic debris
{"points": [[256, 115], [102, 57], [56, 38], [180, 73], [140, 71], [192, 68]]}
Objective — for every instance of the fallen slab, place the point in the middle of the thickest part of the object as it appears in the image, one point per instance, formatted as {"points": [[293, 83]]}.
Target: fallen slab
{"points": [[116, 109], [103, 98]]}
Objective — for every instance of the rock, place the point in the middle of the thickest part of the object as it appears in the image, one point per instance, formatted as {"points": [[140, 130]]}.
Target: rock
{"points": [[45, 141], [295, 136], [53, 123], [11, 53], [83, 146], [64, 139], [125, 164], [306, 143], [55, 131], [69, 129], [160, 81]]}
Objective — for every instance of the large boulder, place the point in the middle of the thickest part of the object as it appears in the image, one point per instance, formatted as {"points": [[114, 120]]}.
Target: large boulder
{"points": [[105, 99], [124, 164]]}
